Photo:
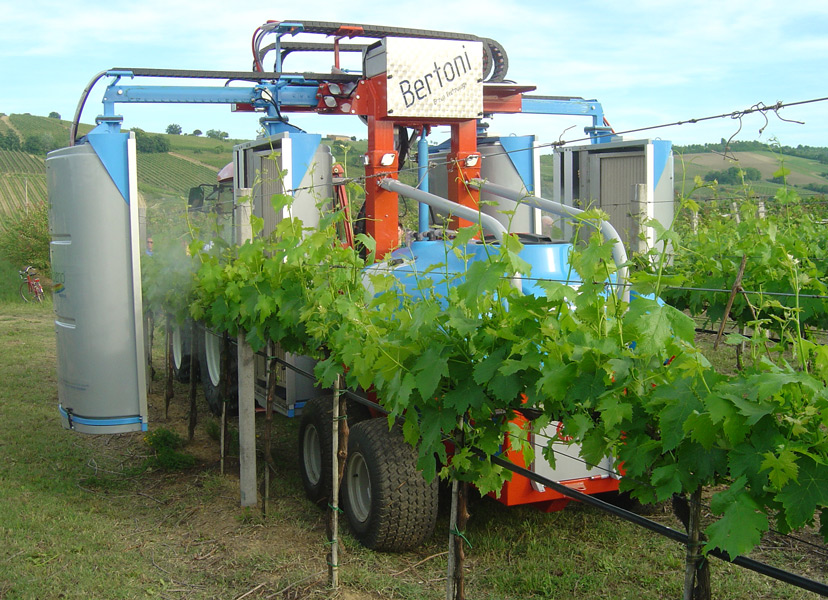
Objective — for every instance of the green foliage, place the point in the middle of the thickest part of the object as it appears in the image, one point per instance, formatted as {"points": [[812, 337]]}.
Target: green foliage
{"points": [[818, 153], [9, 141], [734, 175], [25, 238], [167, 444], [54, 115], [216, 134], [174, 129], [786, 245], [150, 143]]}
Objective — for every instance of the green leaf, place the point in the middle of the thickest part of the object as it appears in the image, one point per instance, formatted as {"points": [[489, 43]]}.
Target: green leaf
{"points": [[742, 524], [801, 498], [654, 325], [555, 381], [782, 467], [701, 429], [614, 411], [667, 481], [429, 368], [486, 368], [681, 403]]}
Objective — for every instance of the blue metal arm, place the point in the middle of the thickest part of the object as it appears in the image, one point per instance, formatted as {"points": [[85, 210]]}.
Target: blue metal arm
{"points": [[599, 132]]}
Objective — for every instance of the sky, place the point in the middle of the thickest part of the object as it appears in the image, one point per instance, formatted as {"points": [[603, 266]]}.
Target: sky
{"points": [[647, 62]]}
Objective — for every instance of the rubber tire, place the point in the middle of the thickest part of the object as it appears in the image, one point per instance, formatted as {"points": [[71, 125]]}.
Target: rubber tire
{"points": [[212, 379], [398, 509], [25, 292], [182, 344], [315, 437]]}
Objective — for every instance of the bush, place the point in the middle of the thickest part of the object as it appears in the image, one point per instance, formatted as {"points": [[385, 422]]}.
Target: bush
{"points": [[9, 141], [25, 238], [149, 143], [734, 175], [166, 445]]}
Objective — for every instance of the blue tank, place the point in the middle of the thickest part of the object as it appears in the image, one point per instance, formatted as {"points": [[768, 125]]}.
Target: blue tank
{"points": [[549, 261]]}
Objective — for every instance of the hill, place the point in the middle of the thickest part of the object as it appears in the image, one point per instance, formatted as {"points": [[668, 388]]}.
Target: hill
{"points": [[165, 177], [807, 167]]}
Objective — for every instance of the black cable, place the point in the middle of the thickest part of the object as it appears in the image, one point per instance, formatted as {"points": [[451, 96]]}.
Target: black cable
{"points": [[73, 129]]}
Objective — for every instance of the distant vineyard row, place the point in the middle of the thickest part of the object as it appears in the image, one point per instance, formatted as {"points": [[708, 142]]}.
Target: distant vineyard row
{"points": [[16, 190], [20, 162], [171, 173]]}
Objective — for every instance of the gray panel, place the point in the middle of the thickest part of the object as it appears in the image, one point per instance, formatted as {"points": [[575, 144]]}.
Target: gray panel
{"points": [[619, 173], [100, 371], [496, 167]]}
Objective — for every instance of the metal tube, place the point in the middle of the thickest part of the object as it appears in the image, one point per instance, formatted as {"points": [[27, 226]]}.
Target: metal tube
{"points": [[464, 212], [619, 253], [422, 176]]}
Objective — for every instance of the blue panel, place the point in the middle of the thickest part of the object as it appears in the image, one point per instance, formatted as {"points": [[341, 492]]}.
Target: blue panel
{"points": [[661, 154], [519, 151], [304, 147], [111, 148]]}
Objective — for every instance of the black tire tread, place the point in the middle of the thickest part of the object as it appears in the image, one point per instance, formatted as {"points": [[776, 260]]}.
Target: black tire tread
{"points": [[404, 505], [319, 412], [214, 394]]}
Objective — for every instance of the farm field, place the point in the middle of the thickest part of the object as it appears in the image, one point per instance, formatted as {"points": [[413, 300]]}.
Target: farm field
{"points": [[803, 171], [84, 517]]}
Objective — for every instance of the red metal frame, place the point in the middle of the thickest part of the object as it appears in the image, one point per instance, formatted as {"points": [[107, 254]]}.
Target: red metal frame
{"points": [[521, 491]]}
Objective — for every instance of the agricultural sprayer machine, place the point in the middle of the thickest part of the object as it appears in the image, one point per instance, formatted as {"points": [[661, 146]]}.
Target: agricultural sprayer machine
{"points": [[405, 85]]}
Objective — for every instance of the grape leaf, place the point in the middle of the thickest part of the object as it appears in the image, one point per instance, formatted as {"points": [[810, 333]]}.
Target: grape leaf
{"points": [[742, 524], [782, 467], [801, 498], [667, 481]]}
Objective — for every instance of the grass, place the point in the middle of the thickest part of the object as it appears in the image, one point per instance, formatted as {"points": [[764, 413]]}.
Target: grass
{"points": [[87, 517]]}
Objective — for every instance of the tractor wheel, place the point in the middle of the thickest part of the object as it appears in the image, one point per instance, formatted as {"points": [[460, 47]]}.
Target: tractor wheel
{"points": [[315, 449], [212, 379], [388, 503], [181, 348], [315, 435]]}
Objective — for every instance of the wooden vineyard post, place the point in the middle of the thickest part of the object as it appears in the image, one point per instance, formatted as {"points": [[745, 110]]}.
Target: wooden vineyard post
{"points": [[268, 430], [339, 453], [455, 582], [737, 286]]}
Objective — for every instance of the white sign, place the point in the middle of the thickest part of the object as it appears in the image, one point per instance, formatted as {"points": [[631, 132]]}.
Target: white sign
{"points": [[434, 78]]}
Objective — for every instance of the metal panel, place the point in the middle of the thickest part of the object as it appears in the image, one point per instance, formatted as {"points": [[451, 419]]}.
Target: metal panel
{"points": [[95, 261], [617, 174], [430, 78], [516, 169]]}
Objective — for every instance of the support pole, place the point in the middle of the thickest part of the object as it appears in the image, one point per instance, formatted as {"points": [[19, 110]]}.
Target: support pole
{"points": [[333, 537], [422, 177], [247, 400], [270, 466]]}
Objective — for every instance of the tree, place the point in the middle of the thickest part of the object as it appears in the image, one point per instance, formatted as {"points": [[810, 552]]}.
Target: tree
{"points": [[149, 143], [54, 115], [174, 129], [197, 132], [34, 145], [9, 141], [216, 134]]}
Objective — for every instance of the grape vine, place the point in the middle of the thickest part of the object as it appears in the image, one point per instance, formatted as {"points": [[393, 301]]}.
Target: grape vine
{"points": [[468, 351]]}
